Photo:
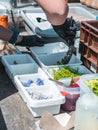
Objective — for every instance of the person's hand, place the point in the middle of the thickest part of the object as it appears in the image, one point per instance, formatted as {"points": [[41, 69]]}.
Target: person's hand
{"points": [[30, 41], [27, 41], [67, 31]]}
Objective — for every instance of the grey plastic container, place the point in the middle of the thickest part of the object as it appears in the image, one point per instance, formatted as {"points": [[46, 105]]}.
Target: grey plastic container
{"points": [[50, 60], [19, 64], [49, 48]]}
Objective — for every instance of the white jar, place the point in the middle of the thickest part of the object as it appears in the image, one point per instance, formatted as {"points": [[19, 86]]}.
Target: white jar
{"points": [[87, 112]]}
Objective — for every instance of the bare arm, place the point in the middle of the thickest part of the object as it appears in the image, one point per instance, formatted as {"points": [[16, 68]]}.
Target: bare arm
{"points": [[55, 10], [5, 34]]}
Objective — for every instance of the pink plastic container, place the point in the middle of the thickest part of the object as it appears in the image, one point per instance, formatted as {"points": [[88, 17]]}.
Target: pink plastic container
{"points": [[70, 103], [71, 94]]}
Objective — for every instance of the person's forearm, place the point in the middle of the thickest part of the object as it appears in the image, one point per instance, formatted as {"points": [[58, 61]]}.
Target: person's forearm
{"points": [[55, 10], [5, 34]]}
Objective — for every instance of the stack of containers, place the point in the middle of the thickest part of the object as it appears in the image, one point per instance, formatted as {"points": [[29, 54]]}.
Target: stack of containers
{"points": [[33, 84], [49, 48], [50, 54], [47, 58], [89, 44]]}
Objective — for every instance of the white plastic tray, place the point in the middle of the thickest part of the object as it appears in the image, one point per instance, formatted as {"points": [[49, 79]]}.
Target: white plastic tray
{"points": [[31, 70], [49, 48], [38, 106], [50, 60], [41, 28]]}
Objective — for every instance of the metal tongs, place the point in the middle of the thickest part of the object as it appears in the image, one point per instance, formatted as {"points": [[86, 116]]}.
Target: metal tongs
{"points": [[70, 41], [40, 20], [66, 85], [70, 52]]}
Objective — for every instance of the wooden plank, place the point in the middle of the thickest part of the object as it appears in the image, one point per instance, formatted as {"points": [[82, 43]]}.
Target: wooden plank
{"points": [[16, 114]]}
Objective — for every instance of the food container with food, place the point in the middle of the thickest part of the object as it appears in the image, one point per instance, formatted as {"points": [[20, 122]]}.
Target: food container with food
{"points": [[71, 93], [88, 83], [56, 60], [70, 89], [41, 94], [67, 71], [18, 64]]}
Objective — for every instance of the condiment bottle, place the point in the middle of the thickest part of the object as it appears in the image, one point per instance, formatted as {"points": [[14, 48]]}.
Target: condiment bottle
{"points": [[4, 21]]}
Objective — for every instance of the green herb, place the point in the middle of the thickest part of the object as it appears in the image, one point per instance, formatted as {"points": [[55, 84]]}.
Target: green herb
{"points": [[15, 62], [65, 72], [93, 84], [62, 62]]}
